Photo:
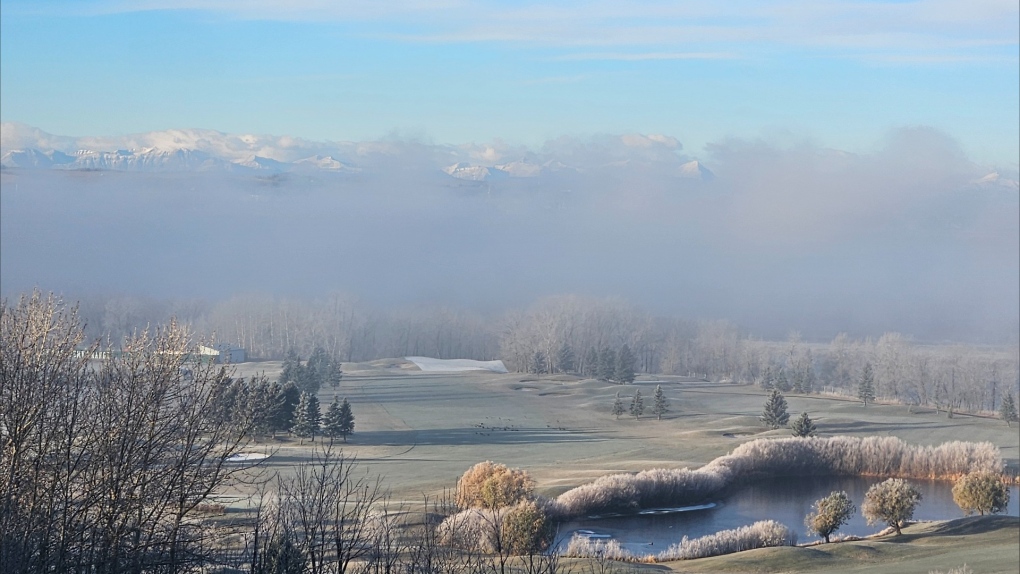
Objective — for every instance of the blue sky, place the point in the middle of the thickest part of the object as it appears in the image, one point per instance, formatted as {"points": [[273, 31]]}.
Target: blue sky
{"points": [[841, 74]]}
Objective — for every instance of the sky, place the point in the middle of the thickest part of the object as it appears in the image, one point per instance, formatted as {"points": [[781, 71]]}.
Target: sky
{"points": [[840, 74]]}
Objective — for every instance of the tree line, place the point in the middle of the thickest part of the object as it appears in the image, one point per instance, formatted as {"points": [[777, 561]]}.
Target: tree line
{"points": [[576, 334]]}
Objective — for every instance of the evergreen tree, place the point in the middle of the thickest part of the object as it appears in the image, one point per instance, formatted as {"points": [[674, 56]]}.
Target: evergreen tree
{"points": [[591, 363], [618, 406], [336, 374], [565, 358], [866, 386], [331, 426], [637, 405], [318, 366], [1008, 410], [538, 363], [306, 416], [782, 382], [767, 381], [607, 364], [660, 405], [291, 369], [775, 416], [281, 556], [285, 408], [803, 426], [625, 365], [346, 419]]}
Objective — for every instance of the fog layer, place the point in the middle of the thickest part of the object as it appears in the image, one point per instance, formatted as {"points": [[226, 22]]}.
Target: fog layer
{"points": [[783, 237]]}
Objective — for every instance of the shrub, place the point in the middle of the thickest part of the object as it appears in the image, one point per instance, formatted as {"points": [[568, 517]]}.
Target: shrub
{"points": [[892, 502], [983, 492], [526, 529], [491, 485], [761, 534], [767, 458], [830, 513]]}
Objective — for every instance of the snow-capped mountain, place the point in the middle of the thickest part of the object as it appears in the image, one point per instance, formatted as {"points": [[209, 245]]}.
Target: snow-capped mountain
{"points": [[33, 158], [695, 170]]}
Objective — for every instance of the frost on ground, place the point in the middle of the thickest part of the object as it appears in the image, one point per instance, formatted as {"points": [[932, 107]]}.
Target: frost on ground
{"points": [[456, 365], [247, 456]]}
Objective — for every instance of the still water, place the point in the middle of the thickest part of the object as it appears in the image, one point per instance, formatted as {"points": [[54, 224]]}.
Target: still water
{"points": [[785, 500]]}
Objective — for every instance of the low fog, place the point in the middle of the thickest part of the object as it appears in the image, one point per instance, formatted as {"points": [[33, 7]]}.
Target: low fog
{"points": [[783, 237]]}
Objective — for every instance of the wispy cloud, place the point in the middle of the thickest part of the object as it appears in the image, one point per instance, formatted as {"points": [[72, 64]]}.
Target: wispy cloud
{"points": [[901, 31], [638, 57]]}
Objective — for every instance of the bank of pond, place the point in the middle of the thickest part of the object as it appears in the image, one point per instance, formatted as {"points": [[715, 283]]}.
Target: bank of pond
{"points": [[784, 500]]}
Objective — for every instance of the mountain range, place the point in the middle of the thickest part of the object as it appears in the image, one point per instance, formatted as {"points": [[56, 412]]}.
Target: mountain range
{"points": [[26, 147]]}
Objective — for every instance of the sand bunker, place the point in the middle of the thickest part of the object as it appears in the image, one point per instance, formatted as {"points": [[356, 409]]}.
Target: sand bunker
{"points": [[456, 365]]}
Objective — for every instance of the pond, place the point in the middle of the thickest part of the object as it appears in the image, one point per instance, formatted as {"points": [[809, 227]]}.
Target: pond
{"points": [[785, 500]]}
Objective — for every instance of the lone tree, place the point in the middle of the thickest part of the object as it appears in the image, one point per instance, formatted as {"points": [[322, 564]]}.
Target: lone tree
{"points": [[1008, 409], [866, 386], [637, 404], [624, 366], [346, 419], [775, 415], [981, 492], [830, 513], [803, 426], [892, 502], [606, 363], [660, 404], [618, 406]]}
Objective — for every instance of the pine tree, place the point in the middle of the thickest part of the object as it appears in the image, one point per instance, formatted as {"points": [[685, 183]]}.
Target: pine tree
{"points": [[331, 420], [866, 386], [775, 415], [591, 363], [336, 374], [623, 369], [285, 409], [803, 426], [637, 405], [307, 416], [607, 364], [314, 415], [346, 419], [660, 404], [767, 381], [782, 382], [618, 406], [538, 365], [1008, 409], [565, 358]]}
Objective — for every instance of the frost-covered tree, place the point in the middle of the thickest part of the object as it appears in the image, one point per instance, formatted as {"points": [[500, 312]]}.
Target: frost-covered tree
{"points": [[331, 422], [981, 492], [606, 364], [591, 363], [618, 406], [565, 358], [803, 426], [1008, 410], [866, 385], [623, 369], [660, 404], [307, 416], [775, 414], [892, 502], [637, 405], [538, 363], [830, 513]]}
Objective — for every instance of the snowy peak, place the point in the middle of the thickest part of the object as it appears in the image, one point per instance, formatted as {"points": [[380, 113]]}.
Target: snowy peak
{"points": [[33, 158], [326, 163], [694, 170]]}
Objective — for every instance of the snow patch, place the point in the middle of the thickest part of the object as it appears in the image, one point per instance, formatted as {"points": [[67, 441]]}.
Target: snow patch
{"points": [[247, 456], [456, 365]]}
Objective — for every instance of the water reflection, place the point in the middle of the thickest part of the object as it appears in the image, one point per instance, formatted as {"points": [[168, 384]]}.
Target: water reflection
{"points": [[784, 500]]}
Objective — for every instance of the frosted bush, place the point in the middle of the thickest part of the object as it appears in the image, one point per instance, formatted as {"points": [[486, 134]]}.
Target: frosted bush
{"points": [[761, 534], [583, 547], [766, 458]]}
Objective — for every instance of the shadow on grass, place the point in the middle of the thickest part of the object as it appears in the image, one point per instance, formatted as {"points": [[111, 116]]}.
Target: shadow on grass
{"points": [[960, 527], [874, 427], [473, 436]]}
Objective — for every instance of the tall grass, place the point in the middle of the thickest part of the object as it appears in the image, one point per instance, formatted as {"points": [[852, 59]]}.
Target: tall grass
{"points": [[761, 534], [768, 458]]}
